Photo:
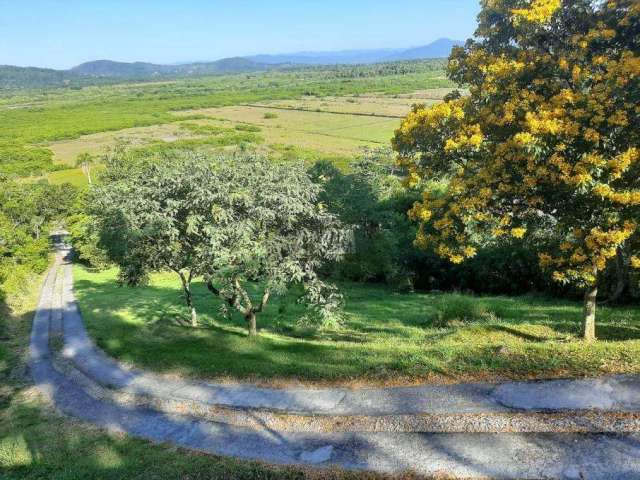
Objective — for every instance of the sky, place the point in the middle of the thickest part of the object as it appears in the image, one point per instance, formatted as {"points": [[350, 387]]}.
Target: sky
{"points": [[64, 33]]}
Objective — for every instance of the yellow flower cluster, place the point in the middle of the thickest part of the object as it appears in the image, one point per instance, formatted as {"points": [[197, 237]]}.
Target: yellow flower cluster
{"points": [[544, 122], [470, 138], [621, 197], [433, 116], [540, 11], [621, 163], [518, 232], [603, 244], [524, 139]]}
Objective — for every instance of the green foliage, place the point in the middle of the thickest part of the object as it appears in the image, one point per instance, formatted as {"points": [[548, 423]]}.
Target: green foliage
{"points": [[270, 116], [232, 220], [371, 199], [27, 211], [20, 160], [246, 127], [200, 129], [454, 309], [292, 153], [21, 255], [85, 241]]}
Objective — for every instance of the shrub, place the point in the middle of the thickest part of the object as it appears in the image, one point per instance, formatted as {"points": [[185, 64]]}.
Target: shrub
{"points": [[452, 308]]}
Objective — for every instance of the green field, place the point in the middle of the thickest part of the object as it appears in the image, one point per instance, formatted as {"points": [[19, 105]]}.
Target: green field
{"points": [[318, 113], [387, 337]]}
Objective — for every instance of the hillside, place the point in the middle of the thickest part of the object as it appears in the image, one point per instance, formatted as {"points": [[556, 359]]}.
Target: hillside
{"points": [[30, 77], [108, 68], [439, 49]]}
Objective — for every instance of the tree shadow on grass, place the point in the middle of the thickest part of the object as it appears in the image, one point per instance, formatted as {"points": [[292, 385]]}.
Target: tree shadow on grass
{"points": [[137, 325], [520, 334], [219, 347]]}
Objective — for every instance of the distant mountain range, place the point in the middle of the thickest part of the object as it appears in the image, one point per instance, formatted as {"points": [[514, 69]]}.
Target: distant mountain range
{"points": [[108, 71], [439, 49]]}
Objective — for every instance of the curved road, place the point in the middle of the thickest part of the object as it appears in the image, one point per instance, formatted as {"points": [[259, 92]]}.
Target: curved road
{"points": [[466, 455]]}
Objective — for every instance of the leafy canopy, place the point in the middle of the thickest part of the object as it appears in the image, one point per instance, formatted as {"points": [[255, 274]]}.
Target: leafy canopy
{"points": [[229, 219], [548, 132]]}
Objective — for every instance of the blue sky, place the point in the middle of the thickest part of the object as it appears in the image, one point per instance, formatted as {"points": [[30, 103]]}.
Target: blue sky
{"points": [[63, 33]]}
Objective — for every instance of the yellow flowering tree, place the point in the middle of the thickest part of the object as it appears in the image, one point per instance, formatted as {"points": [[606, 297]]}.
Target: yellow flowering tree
{"points": [[548, 134]]}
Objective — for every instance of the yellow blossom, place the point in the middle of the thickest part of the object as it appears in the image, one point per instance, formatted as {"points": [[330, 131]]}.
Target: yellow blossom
{"points": [[518, 232]]}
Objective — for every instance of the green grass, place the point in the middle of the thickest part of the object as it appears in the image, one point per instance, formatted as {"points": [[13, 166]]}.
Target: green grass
{"points": [[37, 443], [387, 337]]}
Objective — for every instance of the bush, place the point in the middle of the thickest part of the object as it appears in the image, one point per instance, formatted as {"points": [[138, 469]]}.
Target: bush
{"points": [[456, 308], [85, 242], [23, 161], [270, 115]]}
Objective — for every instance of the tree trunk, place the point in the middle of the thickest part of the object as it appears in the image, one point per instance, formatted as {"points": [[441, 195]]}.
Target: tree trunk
{"points": [[188, 297], [589, 321], [194, 317], [251, 324], [621, 276], [192, 308]]}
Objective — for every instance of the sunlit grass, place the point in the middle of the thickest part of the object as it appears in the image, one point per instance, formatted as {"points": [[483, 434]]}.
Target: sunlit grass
{"points": [[386, 336]]}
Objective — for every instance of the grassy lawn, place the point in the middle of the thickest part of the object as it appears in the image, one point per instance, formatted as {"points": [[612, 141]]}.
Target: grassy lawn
{"points": [[386, 338], [38, 443]]}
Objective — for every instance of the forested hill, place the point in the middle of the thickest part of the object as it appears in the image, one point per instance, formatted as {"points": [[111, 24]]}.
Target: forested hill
{"points": [[106, 71], [107, 68], [19, 77]]}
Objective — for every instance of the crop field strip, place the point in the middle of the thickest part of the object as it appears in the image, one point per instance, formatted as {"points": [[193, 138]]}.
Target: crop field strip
{"points": [[65, 151], [335, 112]]}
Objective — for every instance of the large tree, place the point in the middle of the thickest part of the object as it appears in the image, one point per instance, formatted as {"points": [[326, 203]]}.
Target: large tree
{"points": [[548, 133], [233, 220]]}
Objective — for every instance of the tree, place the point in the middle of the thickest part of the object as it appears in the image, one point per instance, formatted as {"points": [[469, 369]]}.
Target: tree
{"points": [[547, 132], [85, 161], [269, 230], [231, 220], [151, 216], [370, 199], [26, 212]]}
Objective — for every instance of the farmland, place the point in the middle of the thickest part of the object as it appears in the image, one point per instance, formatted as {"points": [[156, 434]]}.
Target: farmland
{"points": [[318, 112]]}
